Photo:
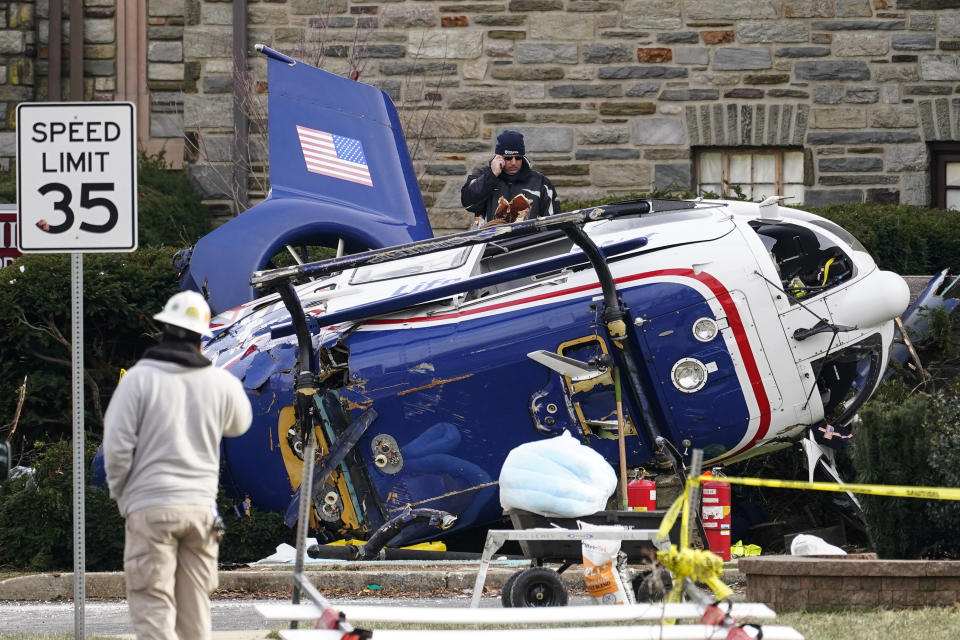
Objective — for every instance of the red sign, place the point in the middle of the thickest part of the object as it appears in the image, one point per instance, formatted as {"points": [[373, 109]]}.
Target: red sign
{"points": [[8, 238]]}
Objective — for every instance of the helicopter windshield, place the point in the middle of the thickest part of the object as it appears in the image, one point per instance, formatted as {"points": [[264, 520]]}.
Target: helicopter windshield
{"points": [[412, 266], [808, 262], [832, 227]]}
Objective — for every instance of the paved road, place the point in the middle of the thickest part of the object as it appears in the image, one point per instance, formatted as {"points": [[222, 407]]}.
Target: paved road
{"points": [[111, 618]]}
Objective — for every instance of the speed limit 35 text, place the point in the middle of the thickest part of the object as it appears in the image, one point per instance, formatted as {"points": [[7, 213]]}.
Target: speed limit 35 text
{"points": [[66, 132]]}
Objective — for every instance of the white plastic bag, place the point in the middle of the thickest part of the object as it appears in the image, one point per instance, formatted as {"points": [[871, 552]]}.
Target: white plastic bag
{"points": [[807, 545], [558, 478], [602, 569]]}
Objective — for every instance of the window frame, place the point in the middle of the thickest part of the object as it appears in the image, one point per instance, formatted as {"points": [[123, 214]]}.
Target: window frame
{"points": [[777, 151], [941, 154]]}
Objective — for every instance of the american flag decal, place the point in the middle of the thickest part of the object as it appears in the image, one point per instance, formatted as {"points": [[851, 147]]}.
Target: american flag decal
{"points": [[334, 156]]}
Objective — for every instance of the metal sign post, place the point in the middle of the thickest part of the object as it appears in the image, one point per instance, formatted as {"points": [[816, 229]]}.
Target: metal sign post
{"points": [[79, 543], [76, 193]]}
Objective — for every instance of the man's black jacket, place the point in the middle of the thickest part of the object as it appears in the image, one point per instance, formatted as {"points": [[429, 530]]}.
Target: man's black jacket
{"points": [[482, 191]]}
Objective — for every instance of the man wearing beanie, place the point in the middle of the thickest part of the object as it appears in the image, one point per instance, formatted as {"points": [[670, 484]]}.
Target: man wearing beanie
{"points": [[508, 190]]}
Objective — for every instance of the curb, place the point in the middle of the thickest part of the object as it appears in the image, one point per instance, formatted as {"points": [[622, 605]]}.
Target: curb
{"points": [[345, 576], [406, 576]]}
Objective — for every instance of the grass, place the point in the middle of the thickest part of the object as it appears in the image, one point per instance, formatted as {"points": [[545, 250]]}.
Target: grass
{"points": [[931, 623]]}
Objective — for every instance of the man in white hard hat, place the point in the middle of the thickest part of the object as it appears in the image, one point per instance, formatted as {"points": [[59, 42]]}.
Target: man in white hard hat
{"points": [[161, 446]]}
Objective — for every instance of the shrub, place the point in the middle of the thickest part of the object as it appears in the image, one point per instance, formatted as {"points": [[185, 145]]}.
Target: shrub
{"points": [[36, 516], [121, 294], [910, 439], [251, 534], [36, 520], [902, 238], [170, 211]]}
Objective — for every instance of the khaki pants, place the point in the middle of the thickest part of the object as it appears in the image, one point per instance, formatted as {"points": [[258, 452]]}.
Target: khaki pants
{"points": [[170, 565]]}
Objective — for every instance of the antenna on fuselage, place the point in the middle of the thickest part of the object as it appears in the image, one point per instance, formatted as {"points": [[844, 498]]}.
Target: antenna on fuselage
{"points": [[770, 209]]}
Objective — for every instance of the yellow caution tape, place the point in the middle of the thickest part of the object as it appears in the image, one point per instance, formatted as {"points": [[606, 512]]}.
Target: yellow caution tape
{"points": [[896, 491], [698, 564], [703, 566], [683, 562], [671, 516]]}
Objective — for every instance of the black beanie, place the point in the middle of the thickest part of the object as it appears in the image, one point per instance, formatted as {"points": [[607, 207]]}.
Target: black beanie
{"points": [[510, 143]]}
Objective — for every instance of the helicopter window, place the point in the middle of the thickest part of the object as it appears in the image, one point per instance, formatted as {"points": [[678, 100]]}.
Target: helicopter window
{"points": [[846, 377], [414, 265], [512, 253], [832, 227], [808, 262]]}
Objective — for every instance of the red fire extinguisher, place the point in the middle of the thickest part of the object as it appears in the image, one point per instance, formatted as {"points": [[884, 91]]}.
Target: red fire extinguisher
{"points": [[642, 495], [715, 502]]}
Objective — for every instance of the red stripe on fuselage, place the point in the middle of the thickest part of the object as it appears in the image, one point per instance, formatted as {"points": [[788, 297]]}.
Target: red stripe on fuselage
{"points": [[714, 285]]}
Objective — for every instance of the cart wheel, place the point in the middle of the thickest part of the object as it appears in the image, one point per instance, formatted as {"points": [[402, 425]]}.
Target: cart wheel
{"points": [[652, 586], [538, 587], [507, 586]]}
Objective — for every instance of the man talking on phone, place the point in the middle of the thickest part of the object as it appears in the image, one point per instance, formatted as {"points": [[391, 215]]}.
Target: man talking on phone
{"points": [[508, 190]]}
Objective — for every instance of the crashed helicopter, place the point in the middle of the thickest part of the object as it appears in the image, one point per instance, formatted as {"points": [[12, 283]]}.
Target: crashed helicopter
{"points": [[418, 363]]}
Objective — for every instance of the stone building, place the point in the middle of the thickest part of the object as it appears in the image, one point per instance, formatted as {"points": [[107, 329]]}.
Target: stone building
{"points": [[822, 100]]}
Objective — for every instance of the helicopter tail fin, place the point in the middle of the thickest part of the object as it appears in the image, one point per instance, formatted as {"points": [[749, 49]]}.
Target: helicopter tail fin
{"points": [[339, 170]]}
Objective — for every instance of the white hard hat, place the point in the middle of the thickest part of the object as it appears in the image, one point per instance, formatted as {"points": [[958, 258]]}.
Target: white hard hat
{"points": [[188, 310]]}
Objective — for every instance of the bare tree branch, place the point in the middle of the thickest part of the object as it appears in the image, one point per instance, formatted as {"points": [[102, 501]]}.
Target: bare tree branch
{"points": [[50, 328], [88, 378], [16, 414]]}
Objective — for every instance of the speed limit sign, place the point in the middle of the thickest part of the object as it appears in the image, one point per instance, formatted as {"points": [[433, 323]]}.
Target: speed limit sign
{"points": [[76, 177]]}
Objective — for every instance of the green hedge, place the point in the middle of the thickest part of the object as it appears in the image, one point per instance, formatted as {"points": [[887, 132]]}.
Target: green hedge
{"points": [[251, 534], [36, 516], [169, 210], [911, 438], [36, 520], [121, 294], [906, 239], [122, 291]]}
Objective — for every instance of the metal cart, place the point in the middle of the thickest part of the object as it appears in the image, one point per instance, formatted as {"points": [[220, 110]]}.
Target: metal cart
{"points": [[559, 540]]}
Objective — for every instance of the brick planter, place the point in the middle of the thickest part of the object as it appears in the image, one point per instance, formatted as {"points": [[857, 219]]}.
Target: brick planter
{"points": [[795, 583]]}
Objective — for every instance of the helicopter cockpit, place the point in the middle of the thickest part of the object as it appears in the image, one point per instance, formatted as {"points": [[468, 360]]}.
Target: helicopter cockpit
{"points": [[808, 262]]}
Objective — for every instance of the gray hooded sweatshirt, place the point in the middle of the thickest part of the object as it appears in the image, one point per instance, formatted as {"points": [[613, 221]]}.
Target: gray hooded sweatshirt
{"points": [[162, 431]]}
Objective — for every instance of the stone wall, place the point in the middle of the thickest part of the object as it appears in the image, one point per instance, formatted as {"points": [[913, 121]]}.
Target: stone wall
{"points": [[612, 94], [25, 47], [18, 50], [798, 583], [166, 81], [25, 50]]}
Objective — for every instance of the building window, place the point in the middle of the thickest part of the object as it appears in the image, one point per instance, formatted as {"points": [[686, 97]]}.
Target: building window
{"points": [[754, 173], [945, 176]]}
